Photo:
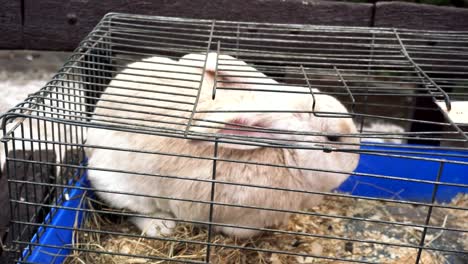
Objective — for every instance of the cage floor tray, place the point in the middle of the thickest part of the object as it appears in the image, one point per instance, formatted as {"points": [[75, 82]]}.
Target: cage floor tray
{"points": [[413, 180], [410, 174]]}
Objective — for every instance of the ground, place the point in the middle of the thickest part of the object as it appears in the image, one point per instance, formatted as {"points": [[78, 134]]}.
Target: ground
{"points": [[25, 72]]}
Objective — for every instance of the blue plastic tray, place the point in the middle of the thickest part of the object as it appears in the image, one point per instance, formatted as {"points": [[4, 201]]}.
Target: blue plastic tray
{"points": [[53, 239], [408, 168]]}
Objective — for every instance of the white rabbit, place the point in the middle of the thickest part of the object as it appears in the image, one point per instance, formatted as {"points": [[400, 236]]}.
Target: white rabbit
{"points": [[137, 97], [393, 132]]}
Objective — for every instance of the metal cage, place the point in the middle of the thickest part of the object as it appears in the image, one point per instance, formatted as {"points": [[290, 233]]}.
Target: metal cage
{"points": [[405, 91]]}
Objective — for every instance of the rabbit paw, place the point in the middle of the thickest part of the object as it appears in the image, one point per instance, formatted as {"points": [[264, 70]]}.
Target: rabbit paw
{"points": [[154, 227]]}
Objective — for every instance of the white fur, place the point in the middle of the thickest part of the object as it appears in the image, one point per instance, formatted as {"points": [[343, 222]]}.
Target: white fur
{"points": [[192, 168], [381, 127]]}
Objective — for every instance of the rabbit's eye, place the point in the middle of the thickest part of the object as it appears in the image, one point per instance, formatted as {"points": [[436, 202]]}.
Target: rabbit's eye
{"points": [[333, 138]]}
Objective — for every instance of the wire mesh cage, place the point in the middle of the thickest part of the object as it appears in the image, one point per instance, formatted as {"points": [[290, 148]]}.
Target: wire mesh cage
{"points": [[197, 141]]}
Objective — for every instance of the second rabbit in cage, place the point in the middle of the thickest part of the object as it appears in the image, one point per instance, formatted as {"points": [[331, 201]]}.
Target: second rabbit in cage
{"points": [[268, 155]]}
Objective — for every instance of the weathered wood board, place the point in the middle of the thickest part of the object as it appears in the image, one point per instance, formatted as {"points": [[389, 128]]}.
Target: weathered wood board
{"points": [[417, 16], [61, 25], [10, 25]]}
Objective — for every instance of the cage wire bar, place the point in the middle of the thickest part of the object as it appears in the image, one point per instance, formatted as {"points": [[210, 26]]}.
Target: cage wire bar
{"points": [[412, 79]]}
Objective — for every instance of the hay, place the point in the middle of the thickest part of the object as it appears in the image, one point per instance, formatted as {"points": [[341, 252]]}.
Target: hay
{"points": [[327, 226]]}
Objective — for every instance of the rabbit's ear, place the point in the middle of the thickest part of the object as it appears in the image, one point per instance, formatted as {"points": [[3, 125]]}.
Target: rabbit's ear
{"points": [[233, 72], [249, 125], [242, 128]]}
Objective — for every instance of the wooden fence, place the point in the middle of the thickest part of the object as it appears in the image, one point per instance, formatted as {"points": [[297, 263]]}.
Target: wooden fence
{"points": [[60, 25]]}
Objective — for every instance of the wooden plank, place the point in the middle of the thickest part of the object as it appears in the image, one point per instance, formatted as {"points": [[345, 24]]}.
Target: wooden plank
{"points": [[60, 25], [420, 16], [10, 24]]}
